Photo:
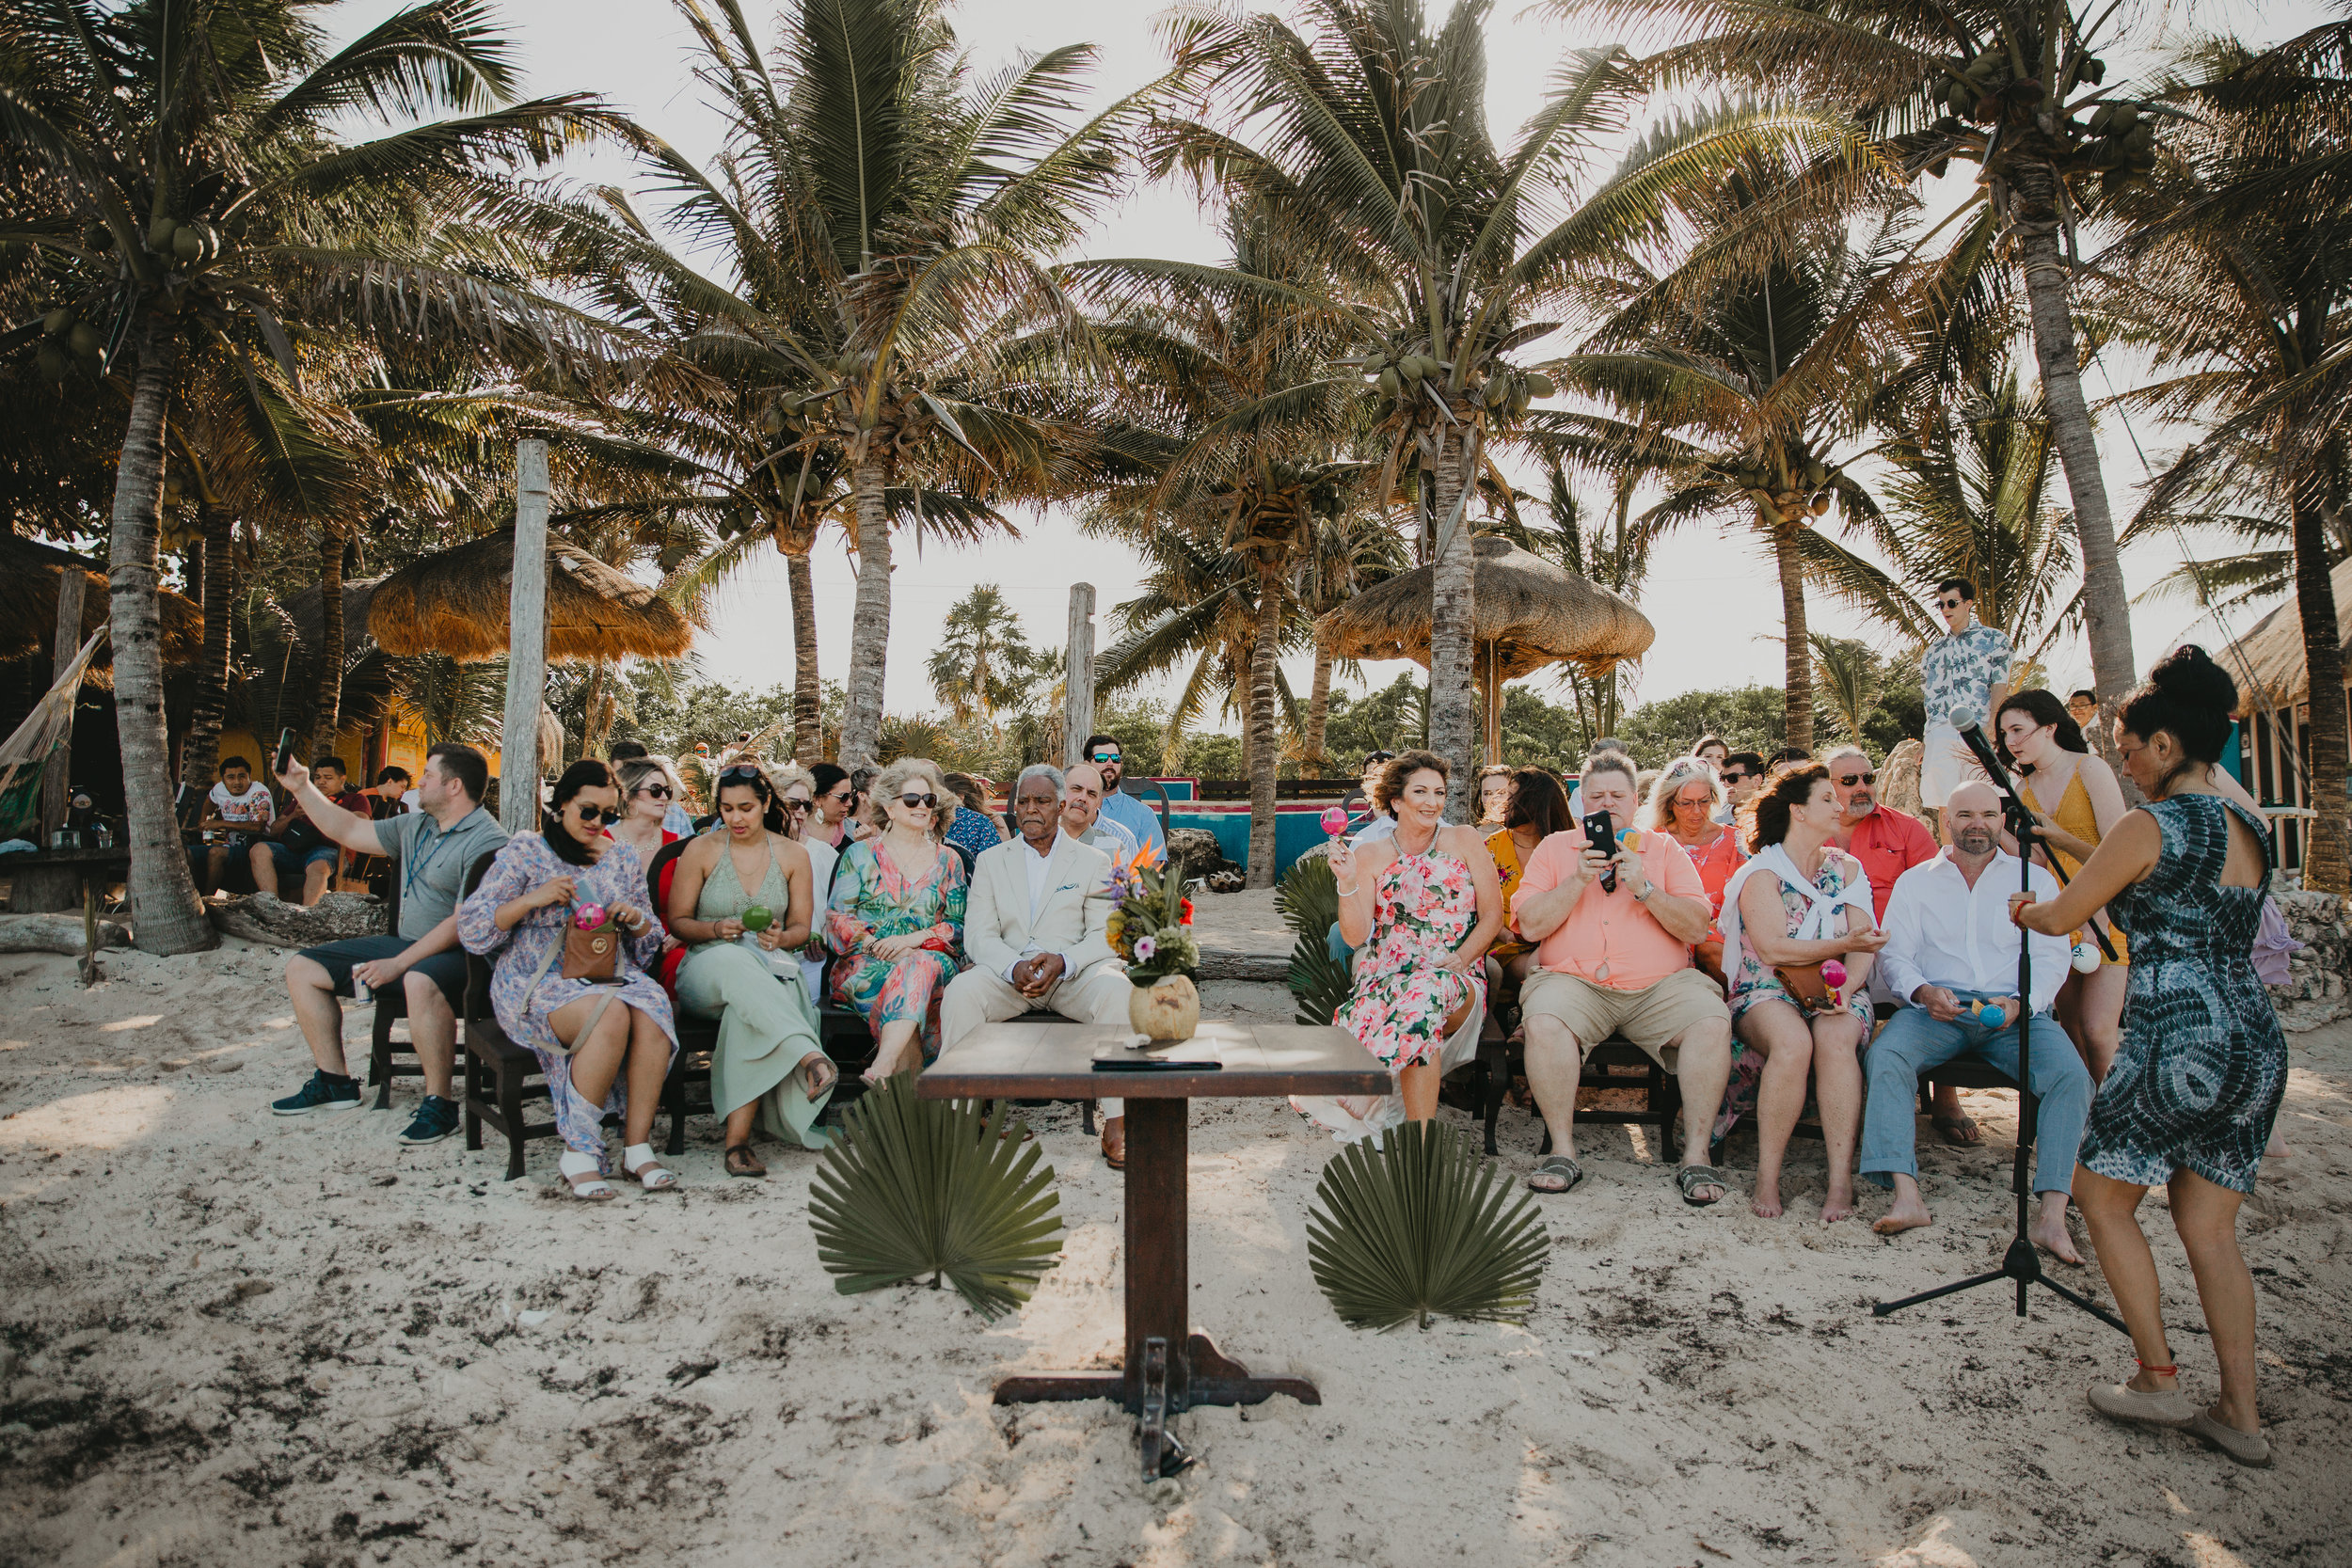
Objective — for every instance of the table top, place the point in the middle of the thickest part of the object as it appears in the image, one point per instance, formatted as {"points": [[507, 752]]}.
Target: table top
{"points": [[1036, 1060], [119, 855]]}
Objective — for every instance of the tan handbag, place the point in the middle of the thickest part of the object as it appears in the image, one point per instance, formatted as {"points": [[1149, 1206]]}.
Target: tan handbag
{"points": [[593, 954], [1806, 988]]}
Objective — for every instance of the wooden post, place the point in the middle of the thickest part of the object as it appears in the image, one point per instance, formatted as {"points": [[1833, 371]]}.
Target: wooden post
{"points": [[525, 645], [56, 771], [1077, 721]]}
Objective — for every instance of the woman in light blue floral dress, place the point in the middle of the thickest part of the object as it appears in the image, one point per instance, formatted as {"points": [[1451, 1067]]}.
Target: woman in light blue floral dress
{"points": [[896, 917], [583, 1033]]}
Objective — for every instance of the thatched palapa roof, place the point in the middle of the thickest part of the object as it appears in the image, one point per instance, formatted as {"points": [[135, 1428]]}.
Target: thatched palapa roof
{"points": [[1528, 612], [29, 574], [456, 603], [2272, 653]]}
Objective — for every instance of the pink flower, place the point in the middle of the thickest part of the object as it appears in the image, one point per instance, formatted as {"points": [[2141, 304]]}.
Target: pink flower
{"points": [[1145, 948]]}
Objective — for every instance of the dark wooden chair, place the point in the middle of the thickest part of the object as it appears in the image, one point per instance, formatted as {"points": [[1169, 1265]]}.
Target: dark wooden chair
{"points": [[1614, 1064], [502, 1078], [389, 1058]]}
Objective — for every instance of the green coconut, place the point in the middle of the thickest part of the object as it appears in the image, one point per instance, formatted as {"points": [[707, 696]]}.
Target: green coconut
{"points": [[758, 918]]}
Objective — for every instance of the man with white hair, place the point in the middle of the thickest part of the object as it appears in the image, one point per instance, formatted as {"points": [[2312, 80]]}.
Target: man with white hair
{"points": [[1037, 927], [1951, 956]]}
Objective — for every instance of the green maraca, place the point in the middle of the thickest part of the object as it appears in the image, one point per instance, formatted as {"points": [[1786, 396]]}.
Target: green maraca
{"points": [[758, 918]]}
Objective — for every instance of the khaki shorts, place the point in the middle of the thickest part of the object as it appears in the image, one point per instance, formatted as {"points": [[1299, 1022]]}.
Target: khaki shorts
{"points": [[1653, 1018]]}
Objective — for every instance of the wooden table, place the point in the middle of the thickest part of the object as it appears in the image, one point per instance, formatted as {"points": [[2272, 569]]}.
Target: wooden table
{"points": [[54, 870], [1167, 1368]]}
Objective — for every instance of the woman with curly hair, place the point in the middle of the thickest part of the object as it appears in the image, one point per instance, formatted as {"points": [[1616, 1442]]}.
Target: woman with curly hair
{"points": [[896, 916]]}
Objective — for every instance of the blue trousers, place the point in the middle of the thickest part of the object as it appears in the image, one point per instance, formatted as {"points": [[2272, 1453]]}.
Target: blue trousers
{"points": [[1912, 1042]]}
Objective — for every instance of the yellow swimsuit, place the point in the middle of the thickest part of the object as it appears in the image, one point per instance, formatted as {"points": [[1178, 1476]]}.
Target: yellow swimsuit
{"points": [[2074, 815]]}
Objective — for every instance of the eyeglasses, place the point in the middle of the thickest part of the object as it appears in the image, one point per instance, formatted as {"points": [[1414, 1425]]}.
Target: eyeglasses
{"points": [[793, 802], [1737, 775], [1697, 802], [928, 802], [658, 791], [838, 792], [1106, 756], [1846, 781], [597, 814], [740, 774], [1950, 604]]}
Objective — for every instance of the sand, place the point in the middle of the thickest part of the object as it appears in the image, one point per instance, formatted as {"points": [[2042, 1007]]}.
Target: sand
{"points": [[230, 1338]]}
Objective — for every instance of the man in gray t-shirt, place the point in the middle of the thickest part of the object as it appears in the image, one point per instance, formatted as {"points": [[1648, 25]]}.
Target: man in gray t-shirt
{"points": [[432, 849]]}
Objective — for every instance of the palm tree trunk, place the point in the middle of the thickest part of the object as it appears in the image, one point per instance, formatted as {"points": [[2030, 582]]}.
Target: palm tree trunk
{"points": [[200, 752], [2049, 294], [1452, 713], [1264, 753], [2324, 863], [164, 915], [1318, 719], [1798, 644], [869, 625], [808, 729], [596, 712], [327, 698]]}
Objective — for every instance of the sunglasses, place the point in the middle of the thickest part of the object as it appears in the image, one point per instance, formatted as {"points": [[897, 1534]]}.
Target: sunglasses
{"points": [[1737, 775], [597, 814], [1846, 781], [1106, 756], [928, 802], [658, 791], [1950, 604], [793, 802], [739, 775]]}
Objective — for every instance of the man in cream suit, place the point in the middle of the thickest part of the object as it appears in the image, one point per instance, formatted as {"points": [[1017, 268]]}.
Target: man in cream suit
{"points": [[1036, 926]]}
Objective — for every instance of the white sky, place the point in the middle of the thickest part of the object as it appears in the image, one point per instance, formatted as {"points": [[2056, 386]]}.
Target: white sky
{"points": [[1714, 601]]}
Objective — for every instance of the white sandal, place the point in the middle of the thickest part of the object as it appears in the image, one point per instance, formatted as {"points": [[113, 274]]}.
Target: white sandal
{"points": [[638, 1162], [583, 1175]]}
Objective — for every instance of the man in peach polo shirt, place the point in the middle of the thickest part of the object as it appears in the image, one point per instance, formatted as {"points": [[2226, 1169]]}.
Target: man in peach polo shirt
{"points": [[1618, 962]]}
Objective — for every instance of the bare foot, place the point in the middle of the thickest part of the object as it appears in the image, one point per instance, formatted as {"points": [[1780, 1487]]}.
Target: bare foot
{"points": [[1838, 1205], [1907, 1214], [1765, 1205], [2048, 1231]]}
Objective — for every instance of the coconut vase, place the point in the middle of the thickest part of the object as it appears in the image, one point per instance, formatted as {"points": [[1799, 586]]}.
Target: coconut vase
{"points": [[1164, 1011]]}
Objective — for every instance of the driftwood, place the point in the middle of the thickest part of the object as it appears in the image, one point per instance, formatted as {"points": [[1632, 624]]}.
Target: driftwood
{"points": [[1225, 963], [336, 917], [55, 933]]}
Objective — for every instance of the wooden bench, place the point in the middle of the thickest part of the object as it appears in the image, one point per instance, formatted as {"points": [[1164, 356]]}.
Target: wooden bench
{"points": [[1614, 1064]]}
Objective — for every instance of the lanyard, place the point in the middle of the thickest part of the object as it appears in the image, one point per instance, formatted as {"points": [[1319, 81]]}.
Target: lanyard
{"points": [[414, 867]]}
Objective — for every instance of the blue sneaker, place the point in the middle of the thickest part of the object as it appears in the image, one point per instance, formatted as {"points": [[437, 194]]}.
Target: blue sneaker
{"points": [[437, 1119], [324, 1092]]}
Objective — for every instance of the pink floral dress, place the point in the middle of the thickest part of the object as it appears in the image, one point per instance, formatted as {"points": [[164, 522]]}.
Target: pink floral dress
{"points": [[1423, 906]]}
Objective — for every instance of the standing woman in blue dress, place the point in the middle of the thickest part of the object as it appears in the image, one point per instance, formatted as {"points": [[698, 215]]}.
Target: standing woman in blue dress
{"points": [[2190, 1099]]}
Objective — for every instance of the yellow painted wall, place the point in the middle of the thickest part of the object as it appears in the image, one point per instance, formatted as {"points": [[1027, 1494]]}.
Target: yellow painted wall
{"points": [[405, 749]]}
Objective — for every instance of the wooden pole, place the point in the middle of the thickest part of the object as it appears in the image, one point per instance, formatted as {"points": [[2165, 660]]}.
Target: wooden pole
{"points": [[525, 645], [1077, 720], [56, 771]]}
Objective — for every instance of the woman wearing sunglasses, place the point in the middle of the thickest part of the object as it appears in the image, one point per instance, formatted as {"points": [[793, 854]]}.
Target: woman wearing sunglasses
{"points": [[768, 1067], [647, 793], [896, 917], [585, 1033]]}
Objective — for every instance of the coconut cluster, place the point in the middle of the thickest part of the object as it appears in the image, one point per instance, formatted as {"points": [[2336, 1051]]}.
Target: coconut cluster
{"points": [[69, 342], [1797, 486], [2118, 142], [1504, 392]]}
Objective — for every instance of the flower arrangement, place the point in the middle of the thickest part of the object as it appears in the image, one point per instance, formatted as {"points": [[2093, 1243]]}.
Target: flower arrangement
{"points": [[1151, 923]]}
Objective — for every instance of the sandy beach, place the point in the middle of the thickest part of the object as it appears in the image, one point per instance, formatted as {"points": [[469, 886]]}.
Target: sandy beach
{"points": [[234, 1338]]}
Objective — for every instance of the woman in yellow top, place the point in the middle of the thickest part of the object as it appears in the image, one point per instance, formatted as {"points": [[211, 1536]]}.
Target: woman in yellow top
{"points": [[2075, 796], [1539, 808]]}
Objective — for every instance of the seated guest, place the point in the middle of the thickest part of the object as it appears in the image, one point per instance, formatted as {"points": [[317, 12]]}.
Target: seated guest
{"points": [[1082, 816], [1684, 804], [393, 789], [768, 1065], [975, 827], [2082, 706], [1494, 795], [295, 848], [1036, 927], [603, 1045], [1949, 944], [1377, 824], [796, 792], [896, 917], [677, 819], [1798, 902], [1538, 809], [1714, 751], [1617, 960], [1422, 903], [1606, 746], [1742, 773], [1142, 823], [833, 805], [237, 811], [434, 847], [649, 795]]}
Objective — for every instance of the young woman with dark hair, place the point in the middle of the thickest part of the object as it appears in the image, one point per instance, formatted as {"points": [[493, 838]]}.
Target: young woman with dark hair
{"points": [[1539, 808], [1800, 900], [2190, 1101], [2042, 746], [585, 1033]]}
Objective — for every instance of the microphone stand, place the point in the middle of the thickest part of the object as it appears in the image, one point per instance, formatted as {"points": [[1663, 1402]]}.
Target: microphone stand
{"points": [[2021, 1263]]}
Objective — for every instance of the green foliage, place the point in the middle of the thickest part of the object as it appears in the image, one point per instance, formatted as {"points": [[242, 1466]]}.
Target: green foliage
{"points": [[1420, 1227], [453, 701], [1308, 899], [1846, 683], [1392, 718], [929, 1186], [1751, 718], [982, 661], [1212, 756], [1538, 733], [670, 717]]}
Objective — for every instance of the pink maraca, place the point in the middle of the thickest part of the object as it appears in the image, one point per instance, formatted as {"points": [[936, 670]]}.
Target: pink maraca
{"points": [[1334, 820], [588, 916], [1833, 973]]}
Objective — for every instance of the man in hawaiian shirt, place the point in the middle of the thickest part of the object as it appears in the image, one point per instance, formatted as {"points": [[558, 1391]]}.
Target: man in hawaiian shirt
{"points": [[1966, 679]]}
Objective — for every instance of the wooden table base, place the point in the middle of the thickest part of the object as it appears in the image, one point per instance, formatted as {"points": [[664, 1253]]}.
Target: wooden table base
{"points": [[1153, 1384]]}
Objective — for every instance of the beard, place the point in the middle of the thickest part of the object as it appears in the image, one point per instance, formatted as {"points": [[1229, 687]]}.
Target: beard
{"points": [[1974, 841]]}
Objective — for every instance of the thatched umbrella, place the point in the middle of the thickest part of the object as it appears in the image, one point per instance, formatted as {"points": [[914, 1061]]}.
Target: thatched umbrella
{"points": [[2270, 662], [1528, 613], [455, 603], [29, 574]]}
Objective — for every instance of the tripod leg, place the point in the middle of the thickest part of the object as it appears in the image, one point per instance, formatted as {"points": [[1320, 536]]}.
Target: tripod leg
{"points": [[2086, 1304], [1881, 1308]]}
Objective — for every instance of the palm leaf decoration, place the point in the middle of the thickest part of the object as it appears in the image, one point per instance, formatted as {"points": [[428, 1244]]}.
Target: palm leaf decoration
{"points": [[1418, 1227], [918, 1187], [1308, 901]]}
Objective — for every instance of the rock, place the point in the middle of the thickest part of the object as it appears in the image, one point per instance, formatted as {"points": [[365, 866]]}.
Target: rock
{"points": [[2316, 991], [1898, 781], [1224, 963], [336, 917], [55, 933]]}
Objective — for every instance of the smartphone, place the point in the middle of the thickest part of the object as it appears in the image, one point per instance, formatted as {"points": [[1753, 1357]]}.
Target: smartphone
{"points": [[285, 752], [1601, 831]]}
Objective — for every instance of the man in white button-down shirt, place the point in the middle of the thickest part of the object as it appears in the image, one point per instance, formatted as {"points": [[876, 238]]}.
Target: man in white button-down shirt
{"points": [[1951, 949]]}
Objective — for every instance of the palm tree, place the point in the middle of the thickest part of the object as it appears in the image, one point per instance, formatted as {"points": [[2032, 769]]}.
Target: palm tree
{"points": [[1846, 673], [983, 659], [188, 162], [2011, 86], [2239, 278], [1373, 134], [1612, 550]]}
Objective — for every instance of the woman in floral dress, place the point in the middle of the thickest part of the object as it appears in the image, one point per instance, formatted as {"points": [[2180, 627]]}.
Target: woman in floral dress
{"points": [[896, 916], [1421, 904], [585, 1033]]}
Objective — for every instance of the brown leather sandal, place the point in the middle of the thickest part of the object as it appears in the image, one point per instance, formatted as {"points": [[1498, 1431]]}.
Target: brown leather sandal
{"points": [[740, 1160]]}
